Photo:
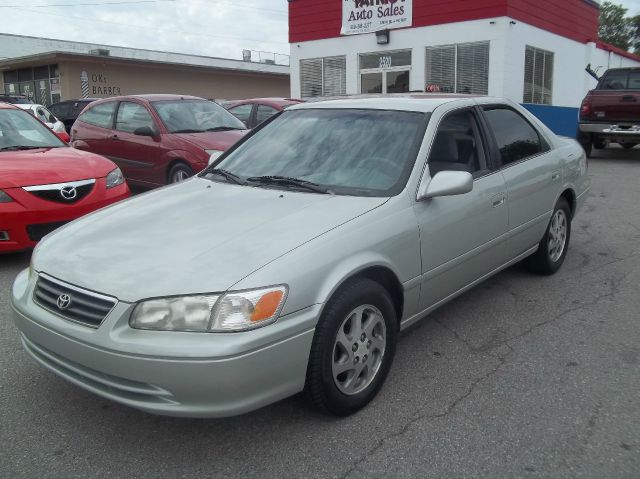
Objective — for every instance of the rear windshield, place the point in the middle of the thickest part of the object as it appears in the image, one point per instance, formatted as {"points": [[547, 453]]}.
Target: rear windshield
{"points": [[620, 80]]}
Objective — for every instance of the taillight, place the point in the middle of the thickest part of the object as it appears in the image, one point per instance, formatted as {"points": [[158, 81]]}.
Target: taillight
{"points": [[585, 109]]}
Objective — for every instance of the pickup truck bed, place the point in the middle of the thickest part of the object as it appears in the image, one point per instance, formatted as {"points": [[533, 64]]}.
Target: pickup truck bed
{"points": [[611, 112]]}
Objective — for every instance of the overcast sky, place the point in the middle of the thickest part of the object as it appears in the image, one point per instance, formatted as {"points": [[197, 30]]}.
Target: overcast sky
{"points": [[205, 27]]}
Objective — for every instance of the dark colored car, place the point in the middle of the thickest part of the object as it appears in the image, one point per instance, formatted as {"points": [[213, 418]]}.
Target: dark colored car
{"points": [[254, 111], [157, 139], [68, 111], [611, 112], [15, 99]]}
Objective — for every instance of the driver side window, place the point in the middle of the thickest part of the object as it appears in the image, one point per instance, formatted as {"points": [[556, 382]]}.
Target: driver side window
{"points": [[457, 145]]}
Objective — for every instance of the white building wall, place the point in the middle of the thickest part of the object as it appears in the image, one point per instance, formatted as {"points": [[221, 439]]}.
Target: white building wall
{"points": [[509, 39], [416, 39]]}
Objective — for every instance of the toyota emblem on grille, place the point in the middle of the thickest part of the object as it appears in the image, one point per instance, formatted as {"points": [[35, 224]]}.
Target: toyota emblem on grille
{"points": [[64, 301], [69, 192]]}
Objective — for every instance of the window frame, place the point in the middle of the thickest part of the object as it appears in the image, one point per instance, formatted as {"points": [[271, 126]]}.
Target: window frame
{"points": [[117, 112], [88, 108], [484, 154], [496, 160]]}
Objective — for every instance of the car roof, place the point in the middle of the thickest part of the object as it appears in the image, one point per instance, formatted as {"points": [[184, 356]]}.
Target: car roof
{"points": [[153, 97], [8, 106], [420, 102]]}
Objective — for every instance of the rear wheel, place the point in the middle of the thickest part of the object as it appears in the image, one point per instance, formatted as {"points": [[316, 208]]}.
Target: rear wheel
{"points": [[586, 142], [554, 244], [352, 349], [179, 172]]}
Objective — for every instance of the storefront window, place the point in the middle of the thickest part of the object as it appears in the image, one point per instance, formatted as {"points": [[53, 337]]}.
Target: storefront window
{"points": [[323, 77], [462, 68], [538, 76], [39, 84], [385, 72]]}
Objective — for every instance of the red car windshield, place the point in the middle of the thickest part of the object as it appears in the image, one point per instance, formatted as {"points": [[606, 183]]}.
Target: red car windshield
{"points": [[21, 131], [195, 116]]}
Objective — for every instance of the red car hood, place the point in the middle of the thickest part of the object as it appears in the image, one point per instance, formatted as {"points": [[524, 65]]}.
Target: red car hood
{"points": [[50, 165], [213, 140]]}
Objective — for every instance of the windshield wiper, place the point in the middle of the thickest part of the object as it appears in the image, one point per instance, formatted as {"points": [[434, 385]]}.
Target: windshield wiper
{"points": [[224, 128], [289, 181], [228, 175], [188, 131], [17, 148]]}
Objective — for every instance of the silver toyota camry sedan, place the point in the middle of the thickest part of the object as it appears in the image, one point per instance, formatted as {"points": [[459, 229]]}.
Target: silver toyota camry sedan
{"points": [[292, 262]]}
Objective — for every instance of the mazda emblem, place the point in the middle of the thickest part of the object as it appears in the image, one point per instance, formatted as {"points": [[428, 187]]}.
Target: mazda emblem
{"points": [[64, 301], [69, 192]]}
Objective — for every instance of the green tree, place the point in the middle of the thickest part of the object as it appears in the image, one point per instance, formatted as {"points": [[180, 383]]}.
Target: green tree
{"points": [[615, 28]]}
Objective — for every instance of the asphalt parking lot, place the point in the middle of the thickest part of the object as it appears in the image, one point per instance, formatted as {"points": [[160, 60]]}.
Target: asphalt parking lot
{"points": [[523, 376]]}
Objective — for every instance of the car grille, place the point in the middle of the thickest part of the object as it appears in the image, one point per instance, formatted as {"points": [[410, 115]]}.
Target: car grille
{"points": [[72, 303], [39, 231], [67, 193]]}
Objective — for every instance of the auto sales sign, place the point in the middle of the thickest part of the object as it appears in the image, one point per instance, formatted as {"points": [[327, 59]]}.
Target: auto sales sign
{"points": [[367, 16]]}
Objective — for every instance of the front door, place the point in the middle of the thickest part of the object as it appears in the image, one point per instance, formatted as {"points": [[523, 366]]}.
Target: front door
{"points": [[136, 154], [462, 237]]}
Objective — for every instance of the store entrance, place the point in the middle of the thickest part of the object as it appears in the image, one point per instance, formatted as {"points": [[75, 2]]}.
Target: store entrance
{"points": [[385, 72]]}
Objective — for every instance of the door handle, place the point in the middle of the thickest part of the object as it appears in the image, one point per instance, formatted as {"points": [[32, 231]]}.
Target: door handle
{"points": [[629, 98], [498, 200]]}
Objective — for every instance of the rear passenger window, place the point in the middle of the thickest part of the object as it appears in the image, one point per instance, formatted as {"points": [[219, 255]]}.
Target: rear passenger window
{"points": [[99, 115], [457, 146], [515, 136], [61, 110], [242, 112]]}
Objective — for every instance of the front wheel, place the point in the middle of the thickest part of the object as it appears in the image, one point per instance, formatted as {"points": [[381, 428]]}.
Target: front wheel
{"points": [[554, 244], [352, 349]]}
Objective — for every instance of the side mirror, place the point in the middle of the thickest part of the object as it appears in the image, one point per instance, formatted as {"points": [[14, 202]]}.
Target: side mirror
{"points": [[145, 131], [447, 183], [63, 135]]}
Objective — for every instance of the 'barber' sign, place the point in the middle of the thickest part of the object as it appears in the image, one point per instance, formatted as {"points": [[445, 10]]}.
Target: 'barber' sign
{"points": [[367, 16]]}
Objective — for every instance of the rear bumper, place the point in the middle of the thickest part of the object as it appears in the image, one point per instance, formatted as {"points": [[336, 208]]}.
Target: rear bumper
{"points": [[622, 130], [26, 220]]}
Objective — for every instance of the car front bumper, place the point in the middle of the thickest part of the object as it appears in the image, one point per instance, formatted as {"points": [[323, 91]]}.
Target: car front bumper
{"points": [[28, 218], [169, 373]]}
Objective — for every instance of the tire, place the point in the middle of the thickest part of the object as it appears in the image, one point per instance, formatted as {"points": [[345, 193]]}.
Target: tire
{"points": [[551, 254], [628, 146], [179, 172], [347, 367], [599, 144], [586, 142]]}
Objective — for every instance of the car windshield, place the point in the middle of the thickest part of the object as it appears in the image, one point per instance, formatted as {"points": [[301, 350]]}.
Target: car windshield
{"points": [[346, 151], [20, 130], [195, 116]]}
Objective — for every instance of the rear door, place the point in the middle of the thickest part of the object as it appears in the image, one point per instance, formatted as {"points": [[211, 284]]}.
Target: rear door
{"points": [[532, 172], [136, 154], [92, 130]]}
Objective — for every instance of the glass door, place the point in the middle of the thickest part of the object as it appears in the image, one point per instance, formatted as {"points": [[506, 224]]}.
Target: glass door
{"points": [[385, 72]]}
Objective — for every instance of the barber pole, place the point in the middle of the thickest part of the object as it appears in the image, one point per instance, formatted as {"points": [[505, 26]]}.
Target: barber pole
{"points": [[84, 84]]}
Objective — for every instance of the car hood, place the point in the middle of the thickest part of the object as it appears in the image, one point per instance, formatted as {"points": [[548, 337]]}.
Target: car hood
{"points": [[50, 165], [194, 237], [213, 140]]}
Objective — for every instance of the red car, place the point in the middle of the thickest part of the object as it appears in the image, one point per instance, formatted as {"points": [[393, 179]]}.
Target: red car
{"points": [[156, 139], [254, 111], [44, 183]]}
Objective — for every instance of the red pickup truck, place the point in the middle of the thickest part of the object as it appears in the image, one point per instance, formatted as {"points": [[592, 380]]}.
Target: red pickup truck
{"points": [[611, 112]]}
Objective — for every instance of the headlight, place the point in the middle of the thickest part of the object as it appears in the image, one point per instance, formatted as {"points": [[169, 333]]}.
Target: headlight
{"points": [[213, 155], [5, 198], [115, 178], [235, 311]]}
